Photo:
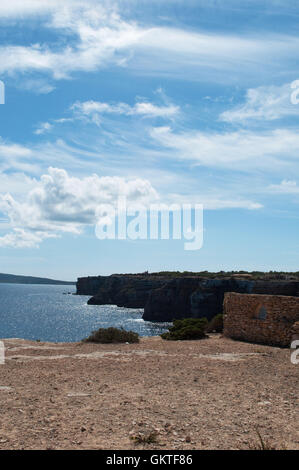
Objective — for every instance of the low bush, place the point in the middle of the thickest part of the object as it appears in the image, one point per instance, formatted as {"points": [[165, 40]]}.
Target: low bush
{"points": [[216, 324], [112, 335], [187, 329], [151, 437]]}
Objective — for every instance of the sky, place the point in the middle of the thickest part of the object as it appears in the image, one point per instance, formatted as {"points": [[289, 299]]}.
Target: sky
{"points": [[171, 101]]}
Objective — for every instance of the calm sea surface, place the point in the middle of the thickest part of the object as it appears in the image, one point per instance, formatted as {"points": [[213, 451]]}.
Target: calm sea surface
{"points": [[46, 313]]}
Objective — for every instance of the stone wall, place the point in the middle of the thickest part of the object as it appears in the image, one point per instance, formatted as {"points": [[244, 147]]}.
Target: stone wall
{"points": [[264, 319], [295, 331]]}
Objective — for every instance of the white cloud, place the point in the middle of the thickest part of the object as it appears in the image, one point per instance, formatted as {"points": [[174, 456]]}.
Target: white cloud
{"points": [[60, 204], [21, 8], [216, 199], [263, 103], [94, 109], [21, 238], [36, 86], [35, 159], [285, 187], [13, 150], [14, 156], [150, 110], [239, 150], [16, 183], [216, 57], [96, 35], [43, 128], [201, 44]]}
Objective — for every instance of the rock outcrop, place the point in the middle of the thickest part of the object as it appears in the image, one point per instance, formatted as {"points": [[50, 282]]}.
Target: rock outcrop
{"points": [[191, 297], [165, 298], [199, 297], [129, 291]]}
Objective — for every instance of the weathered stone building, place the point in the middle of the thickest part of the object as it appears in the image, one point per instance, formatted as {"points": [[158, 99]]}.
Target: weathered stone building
{"points": [[264, 319]]}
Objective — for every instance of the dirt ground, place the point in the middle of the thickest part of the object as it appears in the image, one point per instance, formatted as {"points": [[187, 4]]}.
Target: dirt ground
{"points": [[208, 394]]}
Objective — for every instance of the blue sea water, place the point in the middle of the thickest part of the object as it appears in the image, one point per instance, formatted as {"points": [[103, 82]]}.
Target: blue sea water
{"points": [[47, 313]]}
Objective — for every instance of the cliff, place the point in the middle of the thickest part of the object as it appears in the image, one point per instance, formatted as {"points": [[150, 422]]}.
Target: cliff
{"points": [[131, 291], [164, 298]]}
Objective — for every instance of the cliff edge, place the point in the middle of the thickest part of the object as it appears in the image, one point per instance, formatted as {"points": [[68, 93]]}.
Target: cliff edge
{"points": [[165, 298]]}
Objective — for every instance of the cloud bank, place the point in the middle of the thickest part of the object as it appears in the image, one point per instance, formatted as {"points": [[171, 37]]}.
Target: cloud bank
{"points": [[61, 204]]}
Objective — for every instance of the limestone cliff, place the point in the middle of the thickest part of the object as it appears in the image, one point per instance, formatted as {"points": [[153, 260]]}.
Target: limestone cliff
{"points": [[129, 291], [165, 298], [191, 297]]}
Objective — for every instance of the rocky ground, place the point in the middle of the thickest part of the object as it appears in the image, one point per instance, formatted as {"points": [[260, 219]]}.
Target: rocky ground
{"points": [[209, 394]]}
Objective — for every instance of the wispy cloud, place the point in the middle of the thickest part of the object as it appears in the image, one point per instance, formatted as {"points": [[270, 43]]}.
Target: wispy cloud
{"points": [[264, 103], [94, 110], [14, 156], [216, 57], [285, 187], [95, 32], [98, 36], [21, 9], [242, 150], [36, 86], [13, 150], [43, 128]]}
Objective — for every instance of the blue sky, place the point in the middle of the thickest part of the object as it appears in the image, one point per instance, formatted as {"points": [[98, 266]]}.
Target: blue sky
{"points": [[181, 102]]}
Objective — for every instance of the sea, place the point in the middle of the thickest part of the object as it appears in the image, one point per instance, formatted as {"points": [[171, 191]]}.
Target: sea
{"points": [[53, 313]]}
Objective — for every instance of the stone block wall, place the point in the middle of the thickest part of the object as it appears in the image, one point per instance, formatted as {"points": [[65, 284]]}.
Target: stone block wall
{"points": [[295, 331], [264, 319]]}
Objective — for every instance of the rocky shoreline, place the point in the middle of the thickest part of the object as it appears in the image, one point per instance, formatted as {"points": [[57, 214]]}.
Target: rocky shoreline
{"points": [[165, 298]]}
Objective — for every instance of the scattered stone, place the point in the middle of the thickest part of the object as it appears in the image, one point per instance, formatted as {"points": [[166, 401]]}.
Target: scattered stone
{"points": [[5, 389], [78, 394]]}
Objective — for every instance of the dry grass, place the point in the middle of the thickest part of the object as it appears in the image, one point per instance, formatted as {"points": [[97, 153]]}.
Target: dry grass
{"points": [[150, 437], [263, 444]]}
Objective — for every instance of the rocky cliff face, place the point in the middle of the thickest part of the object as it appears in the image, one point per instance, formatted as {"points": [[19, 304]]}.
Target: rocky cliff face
{"points": [[191, 297], [165, 299], [121, 290]]}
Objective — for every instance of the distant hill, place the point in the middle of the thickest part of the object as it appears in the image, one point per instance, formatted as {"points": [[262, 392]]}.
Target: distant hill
{"points": [[12, 279]]}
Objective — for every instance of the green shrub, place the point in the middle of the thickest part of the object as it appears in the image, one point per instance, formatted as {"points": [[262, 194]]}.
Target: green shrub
{"points": [[187, 329], [112, 335], [216, 324]]}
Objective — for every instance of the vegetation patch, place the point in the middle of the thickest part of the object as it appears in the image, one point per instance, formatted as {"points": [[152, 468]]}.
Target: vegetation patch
{"points": [[112, 335], [151, 437], [187, 329], [263, 444]]}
